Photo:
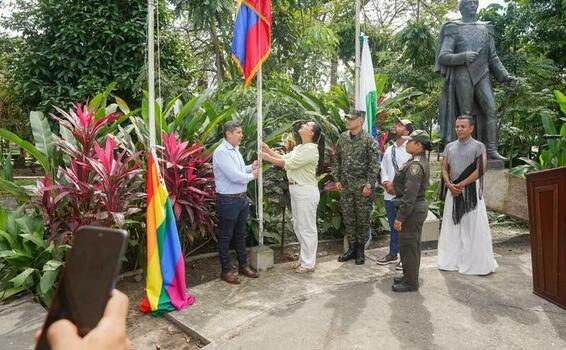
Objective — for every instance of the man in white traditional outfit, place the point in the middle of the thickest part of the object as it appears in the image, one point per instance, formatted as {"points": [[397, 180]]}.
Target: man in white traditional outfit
{"points": [[465, 238]]}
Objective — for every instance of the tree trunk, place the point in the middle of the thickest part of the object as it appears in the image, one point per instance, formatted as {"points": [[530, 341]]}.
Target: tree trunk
{"points": [[217, 51], [334, 70], [418, 10]]}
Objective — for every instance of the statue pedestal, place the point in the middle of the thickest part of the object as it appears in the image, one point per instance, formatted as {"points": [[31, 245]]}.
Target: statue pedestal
{"points": [[503, 192], [495, 164], [430, 232]]}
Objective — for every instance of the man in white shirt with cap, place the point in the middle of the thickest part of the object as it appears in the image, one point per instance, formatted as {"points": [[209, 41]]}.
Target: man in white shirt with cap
{"points": [[394, 158]]}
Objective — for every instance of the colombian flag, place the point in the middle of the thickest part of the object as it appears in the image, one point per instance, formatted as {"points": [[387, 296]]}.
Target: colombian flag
{"points": [[251, 43], [165, 284]]}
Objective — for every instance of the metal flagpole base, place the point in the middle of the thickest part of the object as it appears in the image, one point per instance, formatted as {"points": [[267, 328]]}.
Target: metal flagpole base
{"points": [[261, 257]]}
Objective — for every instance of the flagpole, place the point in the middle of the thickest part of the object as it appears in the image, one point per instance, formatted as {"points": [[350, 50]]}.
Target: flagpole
{"points": [[259, 101], [260, 153], [357, 66], [151, 71], [356, 81]]}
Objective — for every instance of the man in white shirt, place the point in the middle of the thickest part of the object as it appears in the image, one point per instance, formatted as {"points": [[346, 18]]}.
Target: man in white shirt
{"points": [[231, 176], [394, 158]]}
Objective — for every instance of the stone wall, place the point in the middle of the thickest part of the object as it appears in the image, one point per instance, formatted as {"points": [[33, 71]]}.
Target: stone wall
{"points": [[506, 193]]}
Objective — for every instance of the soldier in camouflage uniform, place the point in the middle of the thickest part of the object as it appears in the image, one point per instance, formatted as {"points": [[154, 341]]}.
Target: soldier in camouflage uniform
{"points": [[356, 171], [410, 185]]}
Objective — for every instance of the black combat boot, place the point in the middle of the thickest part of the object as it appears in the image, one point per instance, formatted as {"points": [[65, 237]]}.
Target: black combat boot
{"points": [[350, 253], [360, 255], [399, 279], [404, 287]]}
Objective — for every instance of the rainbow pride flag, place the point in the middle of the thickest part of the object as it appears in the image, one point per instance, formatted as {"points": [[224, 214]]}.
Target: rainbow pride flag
{"points": [[165, 285], [251, 41]]}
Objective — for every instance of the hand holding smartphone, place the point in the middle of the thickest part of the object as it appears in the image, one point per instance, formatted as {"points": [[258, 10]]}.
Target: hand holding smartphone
{"points": [[110, 333], [86, 283]]}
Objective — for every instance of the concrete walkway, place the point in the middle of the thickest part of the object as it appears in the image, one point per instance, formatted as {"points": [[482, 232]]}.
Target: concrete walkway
{"points": [[19, 321], [343, 306]]}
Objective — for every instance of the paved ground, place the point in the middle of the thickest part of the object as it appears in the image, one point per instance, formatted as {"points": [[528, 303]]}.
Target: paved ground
{"points": [[343, 306], [19, 321]]}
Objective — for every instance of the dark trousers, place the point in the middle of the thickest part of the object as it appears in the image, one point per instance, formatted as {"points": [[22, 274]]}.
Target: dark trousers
{"points": [[410, 243], [394, 242], [233, 215]]}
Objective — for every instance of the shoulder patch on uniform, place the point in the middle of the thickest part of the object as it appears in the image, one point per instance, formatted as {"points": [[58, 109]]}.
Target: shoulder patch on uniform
{"points": [[415, 169]]}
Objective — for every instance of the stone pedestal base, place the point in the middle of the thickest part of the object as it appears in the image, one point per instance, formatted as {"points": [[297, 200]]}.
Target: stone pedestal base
{"points": [[431, 231], [261, 258], [494, 164], [505, 193]]}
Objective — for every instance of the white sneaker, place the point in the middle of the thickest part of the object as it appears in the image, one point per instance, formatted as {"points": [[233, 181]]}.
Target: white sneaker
{"points": [[399, 266]]}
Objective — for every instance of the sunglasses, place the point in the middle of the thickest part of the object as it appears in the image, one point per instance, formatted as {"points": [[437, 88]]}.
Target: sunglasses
{"points": [[307, 126]]}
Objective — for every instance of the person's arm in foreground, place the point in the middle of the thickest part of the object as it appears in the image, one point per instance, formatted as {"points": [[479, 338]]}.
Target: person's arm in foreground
{"points": [[109, 334]]}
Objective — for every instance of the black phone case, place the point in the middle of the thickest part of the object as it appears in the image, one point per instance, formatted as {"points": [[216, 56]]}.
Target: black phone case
{"points": [[87, 280]]}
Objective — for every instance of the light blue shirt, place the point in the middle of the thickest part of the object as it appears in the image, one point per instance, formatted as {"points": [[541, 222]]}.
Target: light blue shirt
{"points": [[231, 174]]}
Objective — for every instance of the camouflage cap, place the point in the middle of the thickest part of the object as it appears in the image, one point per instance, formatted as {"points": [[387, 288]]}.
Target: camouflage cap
{"points": [[406, 123], [418, 135], [356, 114]]}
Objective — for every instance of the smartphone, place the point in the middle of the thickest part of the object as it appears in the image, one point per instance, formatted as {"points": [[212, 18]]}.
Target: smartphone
{"points": [[87, 280]]}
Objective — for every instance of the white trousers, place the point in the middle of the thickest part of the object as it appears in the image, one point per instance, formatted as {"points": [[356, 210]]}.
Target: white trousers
{"points": [[304, 201], [466, 247]]}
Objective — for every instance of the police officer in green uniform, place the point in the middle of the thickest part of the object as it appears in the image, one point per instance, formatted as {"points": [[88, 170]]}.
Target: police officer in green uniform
{"points": [[355, 173], [410, 186]]}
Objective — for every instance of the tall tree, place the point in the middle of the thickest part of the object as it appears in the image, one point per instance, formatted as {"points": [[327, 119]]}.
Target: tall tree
{"points": [[72, 49], [210, 23], [11, 115]]}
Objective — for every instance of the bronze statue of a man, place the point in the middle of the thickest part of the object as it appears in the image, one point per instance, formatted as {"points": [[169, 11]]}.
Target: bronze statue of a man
{"points": [[465, 54]]}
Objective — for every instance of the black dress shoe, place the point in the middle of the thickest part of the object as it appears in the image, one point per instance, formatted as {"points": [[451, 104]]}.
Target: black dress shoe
{"points": [[360, 254], [350, 253], [404, 287]]}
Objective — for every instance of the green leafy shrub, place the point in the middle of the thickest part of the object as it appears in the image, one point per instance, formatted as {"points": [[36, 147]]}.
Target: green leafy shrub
{"points": [[554, 154], [28, 262]]}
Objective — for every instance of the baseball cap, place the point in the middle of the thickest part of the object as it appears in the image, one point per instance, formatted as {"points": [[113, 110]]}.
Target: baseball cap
{"points": [[418, 135], [356, 114], [406, 123]]}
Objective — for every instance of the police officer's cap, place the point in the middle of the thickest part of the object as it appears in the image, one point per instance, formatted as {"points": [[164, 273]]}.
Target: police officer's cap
{"points": [[406, 123], [418, 135], [356, 114]]}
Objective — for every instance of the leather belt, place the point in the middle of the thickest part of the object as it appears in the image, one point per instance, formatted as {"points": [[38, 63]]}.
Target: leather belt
{"points": [[233, 195]]}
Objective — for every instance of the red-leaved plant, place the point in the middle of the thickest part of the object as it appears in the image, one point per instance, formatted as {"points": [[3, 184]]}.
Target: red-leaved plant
{"points": [[190, 182], [84, 127], [119, 183], [97, 185], [48, 199]]}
